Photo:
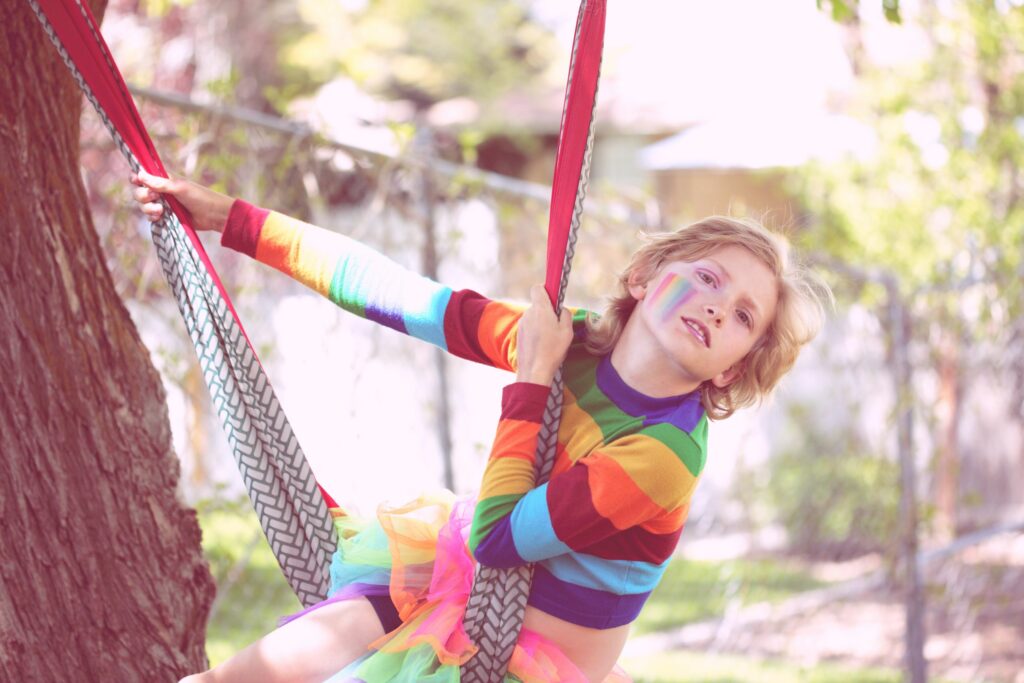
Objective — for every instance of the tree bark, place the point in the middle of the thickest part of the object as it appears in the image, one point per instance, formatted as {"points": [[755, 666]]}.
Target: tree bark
{"points": [[103, 576]]}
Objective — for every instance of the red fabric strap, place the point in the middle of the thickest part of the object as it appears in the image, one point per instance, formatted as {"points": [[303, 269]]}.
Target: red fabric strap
{"points": [[78, 31], [581, 90]]}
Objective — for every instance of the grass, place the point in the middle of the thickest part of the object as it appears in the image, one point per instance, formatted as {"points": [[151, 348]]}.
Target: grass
{"points": [[677, 667], [691, 667], [691, 591], [257, 596], [697, 590]]}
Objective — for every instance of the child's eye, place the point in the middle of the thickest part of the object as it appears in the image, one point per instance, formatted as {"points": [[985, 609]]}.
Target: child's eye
{"points": [[706, 278], [746, 319]]}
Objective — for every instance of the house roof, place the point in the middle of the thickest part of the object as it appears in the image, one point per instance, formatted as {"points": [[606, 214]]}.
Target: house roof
{"points": [[670, 63], [757, 141]]}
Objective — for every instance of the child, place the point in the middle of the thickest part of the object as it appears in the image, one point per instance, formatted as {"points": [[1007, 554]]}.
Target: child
{"points": [[707, 320]]}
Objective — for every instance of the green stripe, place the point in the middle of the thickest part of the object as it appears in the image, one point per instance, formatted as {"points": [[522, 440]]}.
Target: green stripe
{"points": [[344, 289], [580, 377], [487, 514], [681, 443]]}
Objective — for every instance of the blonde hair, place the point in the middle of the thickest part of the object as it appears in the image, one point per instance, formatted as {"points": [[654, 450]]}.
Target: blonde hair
{"points": [[799, 312]]}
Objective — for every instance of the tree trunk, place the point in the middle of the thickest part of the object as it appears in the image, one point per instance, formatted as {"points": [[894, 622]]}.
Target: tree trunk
{"points": [[102, 576]]}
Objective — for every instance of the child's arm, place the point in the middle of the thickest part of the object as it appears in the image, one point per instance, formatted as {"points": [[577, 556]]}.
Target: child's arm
{"points": [[369, 284], [352, 275], [642, 480]]}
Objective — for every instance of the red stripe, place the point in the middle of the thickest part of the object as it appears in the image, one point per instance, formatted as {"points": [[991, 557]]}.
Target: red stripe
{"points": [[636, 543], [524, 401], [581, 90], [460, 331], [331, 503], [243, 227], [576, 521]]}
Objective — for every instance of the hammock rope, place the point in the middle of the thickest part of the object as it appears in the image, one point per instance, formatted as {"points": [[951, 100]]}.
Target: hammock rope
{"points": [[289, 503], [497, 602], [281, 486]]}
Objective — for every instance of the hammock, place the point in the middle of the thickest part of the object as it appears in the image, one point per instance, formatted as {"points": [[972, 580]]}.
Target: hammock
{"points": [[291, 506]]}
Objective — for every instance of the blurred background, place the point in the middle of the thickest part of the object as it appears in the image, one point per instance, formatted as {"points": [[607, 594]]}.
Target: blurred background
{"points": [[867, 523]]}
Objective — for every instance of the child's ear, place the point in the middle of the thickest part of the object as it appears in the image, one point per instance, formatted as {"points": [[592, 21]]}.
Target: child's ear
{"points": [[728, 376], [637, 289]]}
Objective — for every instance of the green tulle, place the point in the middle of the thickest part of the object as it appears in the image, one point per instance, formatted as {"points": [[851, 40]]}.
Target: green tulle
{"points": [[416, 665]]}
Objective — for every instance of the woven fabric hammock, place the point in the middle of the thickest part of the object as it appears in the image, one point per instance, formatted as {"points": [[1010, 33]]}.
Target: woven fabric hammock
{"points": [[497, 603], [291, 506], [281, 486]]}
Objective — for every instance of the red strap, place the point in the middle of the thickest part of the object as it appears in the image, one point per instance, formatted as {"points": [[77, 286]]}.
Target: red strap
{"points": [[581, 90], [80, 35], [328, 500], [78, 31]]}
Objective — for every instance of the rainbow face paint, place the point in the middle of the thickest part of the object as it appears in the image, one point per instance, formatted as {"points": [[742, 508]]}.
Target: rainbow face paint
{"points": [[672, 292]]}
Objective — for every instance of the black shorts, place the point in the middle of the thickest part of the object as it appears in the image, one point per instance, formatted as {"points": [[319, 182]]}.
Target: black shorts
{"points": [[386, 611]]}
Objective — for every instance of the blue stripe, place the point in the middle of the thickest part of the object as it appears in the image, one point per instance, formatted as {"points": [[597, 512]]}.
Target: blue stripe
{"points": [[621, 577], [532, 531], [424, 312]]}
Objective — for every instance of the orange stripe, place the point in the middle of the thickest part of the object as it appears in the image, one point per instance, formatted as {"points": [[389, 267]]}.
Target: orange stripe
{"points": [[515, 439], [305, 252], [498, 322], [668, 522], [276, 244], [655, 468], [615, 496], [562, 461]]}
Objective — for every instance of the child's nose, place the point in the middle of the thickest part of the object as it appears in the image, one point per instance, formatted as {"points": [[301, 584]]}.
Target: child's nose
{"points": [[713, 312]]}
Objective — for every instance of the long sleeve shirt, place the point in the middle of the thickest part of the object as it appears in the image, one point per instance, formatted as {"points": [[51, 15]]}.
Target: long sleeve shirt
{"points": [[602, 529]]}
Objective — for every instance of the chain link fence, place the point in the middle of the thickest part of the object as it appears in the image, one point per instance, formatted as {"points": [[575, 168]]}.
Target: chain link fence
{"points": [[794, 565]]}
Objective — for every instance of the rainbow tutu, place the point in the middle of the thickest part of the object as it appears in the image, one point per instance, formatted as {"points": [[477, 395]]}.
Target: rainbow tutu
{"points": [[417, 553]]}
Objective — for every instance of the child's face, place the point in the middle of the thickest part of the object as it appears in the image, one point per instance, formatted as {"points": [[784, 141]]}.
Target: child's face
{"points": [[707, 315]]}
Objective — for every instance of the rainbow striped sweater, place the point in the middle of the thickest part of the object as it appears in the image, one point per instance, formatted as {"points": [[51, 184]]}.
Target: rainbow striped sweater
{"points": [[602, 530]]}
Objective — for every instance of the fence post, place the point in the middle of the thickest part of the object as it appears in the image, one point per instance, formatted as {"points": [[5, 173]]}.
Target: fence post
{"points": [[899, 331], [424, 148]]}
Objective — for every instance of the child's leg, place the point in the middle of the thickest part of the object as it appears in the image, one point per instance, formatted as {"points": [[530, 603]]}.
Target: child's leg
{"points": [[310, 648]]}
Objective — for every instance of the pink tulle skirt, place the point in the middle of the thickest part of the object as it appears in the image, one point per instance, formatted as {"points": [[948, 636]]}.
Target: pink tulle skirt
{"points": [[418, 554]]}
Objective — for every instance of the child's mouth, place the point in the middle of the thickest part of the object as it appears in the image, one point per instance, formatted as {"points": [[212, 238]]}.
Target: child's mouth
{"points": [[698, 331]]}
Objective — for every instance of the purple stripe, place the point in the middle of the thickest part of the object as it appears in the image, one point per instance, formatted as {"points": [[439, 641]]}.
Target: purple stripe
{"points": [[349, 592], [589, 607], [684, 417], [388, 318], [683, 411], [497, 549]]}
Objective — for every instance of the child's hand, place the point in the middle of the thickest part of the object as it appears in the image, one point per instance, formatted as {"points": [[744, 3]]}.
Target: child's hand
{"points": [[543, 339], [209, 209]]}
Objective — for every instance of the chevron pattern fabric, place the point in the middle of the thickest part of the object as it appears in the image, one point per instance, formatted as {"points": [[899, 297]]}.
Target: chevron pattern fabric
{"points": [[494, 618], [281, 485], [497, 603]]}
